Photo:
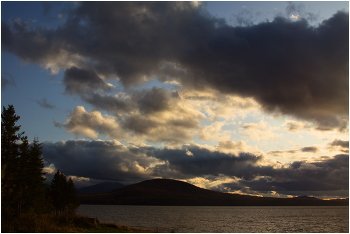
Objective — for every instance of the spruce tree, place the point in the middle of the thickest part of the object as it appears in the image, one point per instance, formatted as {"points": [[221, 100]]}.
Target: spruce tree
{"points": [[72, 200], [63, 194], [57, 191], [10, 164], [22, 177], [9, 135], [36, 187]]}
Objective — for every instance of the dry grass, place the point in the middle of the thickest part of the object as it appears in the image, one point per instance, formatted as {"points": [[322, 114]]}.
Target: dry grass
{"points": [[71, 223]]}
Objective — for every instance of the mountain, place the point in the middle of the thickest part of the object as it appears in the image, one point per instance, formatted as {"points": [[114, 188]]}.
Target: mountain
{"points": [[100, 188], [178, 193]]}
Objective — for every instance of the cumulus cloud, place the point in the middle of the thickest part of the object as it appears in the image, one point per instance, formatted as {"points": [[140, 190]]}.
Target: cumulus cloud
{"points": [[286, 66], [151, 115], [91, 124]]}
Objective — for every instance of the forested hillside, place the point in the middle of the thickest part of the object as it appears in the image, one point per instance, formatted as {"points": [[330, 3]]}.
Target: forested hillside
{"points": [[178, 193]]}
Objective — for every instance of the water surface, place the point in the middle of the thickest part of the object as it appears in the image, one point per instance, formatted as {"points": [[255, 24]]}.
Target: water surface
{"points": [[241, 219]]}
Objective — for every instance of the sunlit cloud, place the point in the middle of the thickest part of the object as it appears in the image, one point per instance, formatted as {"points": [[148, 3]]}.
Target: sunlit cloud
{"points": [[258, 131]]}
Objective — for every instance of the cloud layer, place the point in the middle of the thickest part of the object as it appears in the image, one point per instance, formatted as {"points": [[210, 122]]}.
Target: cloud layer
{"points": [[287, 66], [111, 160]]}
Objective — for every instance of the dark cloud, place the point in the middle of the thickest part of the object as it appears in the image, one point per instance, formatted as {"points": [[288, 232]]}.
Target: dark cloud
{"points": [[155, 100], [82, 81], [44, 104], [196, 161], [309, 149], [6, 35], [99, 160], [343, 144], [91, 88], [6, 80], [302, 178], [286, 65], [340, 145], [282, 152], [118, 105], [279, 64]]}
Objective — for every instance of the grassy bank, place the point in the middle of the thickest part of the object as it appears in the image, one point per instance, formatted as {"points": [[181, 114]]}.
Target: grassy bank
{"points": [[63, 223]]}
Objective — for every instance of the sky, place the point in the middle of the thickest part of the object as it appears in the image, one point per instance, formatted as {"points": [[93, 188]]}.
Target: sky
{"points": [[239, 97]]}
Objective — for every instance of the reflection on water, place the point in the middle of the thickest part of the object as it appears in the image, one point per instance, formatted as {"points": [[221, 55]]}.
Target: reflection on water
{"points": [[239, 219]]}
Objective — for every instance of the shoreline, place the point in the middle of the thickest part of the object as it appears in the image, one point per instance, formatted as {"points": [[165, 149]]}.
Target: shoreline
{"points": [[64, 223]]}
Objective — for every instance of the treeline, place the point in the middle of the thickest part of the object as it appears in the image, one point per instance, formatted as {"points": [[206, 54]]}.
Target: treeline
{"points": [[23, 190]]}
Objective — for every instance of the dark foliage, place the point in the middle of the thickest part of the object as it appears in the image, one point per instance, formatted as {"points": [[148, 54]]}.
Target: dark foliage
{"points": [[63, 194]]}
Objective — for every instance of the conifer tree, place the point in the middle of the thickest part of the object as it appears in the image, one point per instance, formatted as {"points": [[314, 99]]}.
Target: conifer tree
{"points": [[10, 170], [9, 135], [57, 191], [22, 177], [36, 187], [72, 200], [63, 193]]}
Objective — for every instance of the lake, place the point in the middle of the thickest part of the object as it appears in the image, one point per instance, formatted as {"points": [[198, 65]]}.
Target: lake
{"points": [[241, 219]]}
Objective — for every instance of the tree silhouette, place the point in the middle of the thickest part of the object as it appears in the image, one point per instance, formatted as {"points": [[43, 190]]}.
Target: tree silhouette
{"points": [[63, 193], [35, 192], [57, 188], [10, 162], [72, 199], [22, 177]]}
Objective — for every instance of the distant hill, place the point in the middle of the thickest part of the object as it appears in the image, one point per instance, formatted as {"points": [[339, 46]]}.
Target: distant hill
{"points": [[178, 193], [100, 188]]}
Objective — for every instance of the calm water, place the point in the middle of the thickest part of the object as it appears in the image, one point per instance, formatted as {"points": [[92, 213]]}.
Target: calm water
{"points": [[241, 219]]}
